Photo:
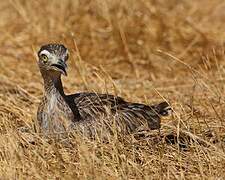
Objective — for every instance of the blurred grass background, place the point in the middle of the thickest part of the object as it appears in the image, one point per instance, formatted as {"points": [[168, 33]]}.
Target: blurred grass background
{"points": [[142, 50]]}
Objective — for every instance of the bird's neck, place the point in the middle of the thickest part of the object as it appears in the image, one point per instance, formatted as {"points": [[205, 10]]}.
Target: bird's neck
{"points": [[53, 84]]}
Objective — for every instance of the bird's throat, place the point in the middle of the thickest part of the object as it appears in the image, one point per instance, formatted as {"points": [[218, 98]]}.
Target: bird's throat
{"points": [[53, 83]]}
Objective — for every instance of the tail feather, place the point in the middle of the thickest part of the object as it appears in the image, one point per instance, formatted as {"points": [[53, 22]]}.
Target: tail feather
{"points": [[163, 108], [150, 113]]}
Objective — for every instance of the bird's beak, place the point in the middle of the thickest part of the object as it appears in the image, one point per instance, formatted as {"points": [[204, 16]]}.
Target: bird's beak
{"points": [[60, 66]]}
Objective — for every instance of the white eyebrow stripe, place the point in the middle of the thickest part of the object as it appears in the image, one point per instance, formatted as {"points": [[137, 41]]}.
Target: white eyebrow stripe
{"points": [[67, 52], [45, 52]]}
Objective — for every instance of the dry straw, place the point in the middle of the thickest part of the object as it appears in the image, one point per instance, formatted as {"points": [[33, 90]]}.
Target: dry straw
{"points": [[141, 50]]}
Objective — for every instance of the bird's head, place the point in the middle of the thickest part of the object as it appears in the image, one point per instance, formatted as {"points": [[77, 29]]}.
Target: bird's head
{"points": [[52, 59]]}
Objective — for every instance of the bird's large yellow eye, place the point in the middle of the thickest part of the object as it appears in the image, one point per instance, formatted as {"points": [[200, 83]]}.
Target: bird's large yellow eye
{"points": [[44, 58]]}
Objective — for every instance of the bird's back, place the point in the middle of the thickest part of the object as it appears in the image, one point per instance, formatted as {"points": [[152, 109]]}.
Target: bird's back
{"points": [[92, 106]]}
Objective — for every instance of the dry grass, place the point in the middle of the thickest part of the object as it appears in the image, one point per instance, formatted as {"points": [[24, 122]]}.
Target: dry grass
{"points": [[141, 50]]}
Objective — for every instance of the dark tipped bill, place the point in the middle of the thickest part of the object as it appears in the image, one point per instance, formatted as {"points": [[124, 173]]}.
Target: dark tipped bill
{"points": [[61, 66]]}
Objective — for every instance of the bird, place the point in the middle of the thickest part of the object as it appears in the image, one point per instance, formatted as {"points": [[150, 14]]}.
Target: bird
{"points": [[58, 112]]}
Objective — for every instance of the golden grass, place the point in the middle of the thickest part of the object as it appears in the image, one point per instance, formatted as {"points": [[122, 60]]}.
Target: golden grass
{"points": [[141, 50]]}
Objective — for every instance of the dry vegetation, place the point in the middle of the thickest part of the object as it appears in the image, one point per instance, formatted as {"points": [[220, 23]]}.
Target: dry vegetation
{"points": [[142, 50]]}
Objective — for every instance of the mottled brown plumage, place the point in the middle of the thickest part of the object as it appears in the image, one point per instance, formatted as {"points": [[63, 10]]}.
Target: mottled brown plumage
{"points": [[59, 112]]}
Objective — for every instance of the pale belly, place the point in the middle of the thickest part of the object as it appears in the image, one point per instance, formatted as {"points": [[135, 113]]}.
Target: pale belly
{"points": [[56, 117]]}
